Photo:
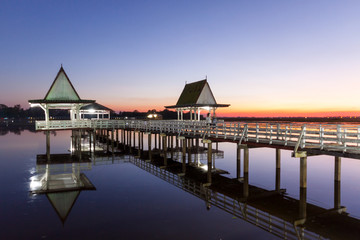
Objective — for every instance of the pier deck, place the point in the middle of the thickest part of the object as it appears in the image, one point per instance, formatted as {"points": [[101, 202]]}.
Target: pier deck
{"points": [[315, 139]]}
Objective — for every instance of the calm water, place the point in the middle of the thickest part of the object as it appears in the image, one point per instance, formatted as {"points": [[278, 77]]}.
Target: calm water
{"points": [[131, 203]]}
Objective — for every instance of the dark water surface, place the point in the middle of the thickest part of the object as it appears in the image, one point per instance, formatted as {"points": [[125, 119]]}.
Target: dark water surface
{"points": [[131, 203]]}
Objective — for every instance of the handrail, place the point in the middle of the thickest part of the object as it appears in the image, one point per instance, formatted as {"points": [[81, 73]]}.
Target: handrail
{"points": [[325, 137]]}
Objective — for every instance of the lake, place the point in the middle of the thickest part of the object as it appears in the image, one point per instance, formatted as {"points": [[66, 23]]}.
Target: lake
{"points": [[130, 198]]}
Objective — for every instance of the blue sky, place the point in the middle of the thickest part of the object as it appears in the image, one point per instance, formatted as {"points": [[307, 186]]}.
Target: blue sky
{"points": [[262, 57]]}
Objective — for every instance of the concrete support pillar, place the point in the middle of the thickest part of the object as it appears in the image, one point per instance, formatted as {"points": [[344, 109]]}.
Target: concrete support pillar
{"points": [[337, 185], [117, 138], [48, 145], [112, 141], [303, 172], [94, 140], [172, 146], [155, 141], [183, 153], [278, 164], [189, 150], [164, 145], [246, 160], [139, 143], [149, 146], [107, 140]]}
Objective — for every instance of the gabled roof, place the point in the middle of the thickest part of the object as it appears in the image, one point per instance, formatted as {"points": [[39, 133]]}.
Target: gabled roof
{"points": [[62, 88], [197, 94], [95, 106], [191, 93], [61, 91]]}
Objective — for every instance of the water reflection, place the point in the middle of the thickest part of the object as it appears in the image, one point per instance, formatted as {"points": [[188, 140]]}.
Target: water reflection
{"points": [[61, 179]]}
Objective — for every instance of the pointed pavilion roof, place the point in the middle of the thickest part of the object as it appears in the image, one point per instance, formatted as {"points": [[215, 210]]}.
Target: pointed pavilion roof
{"points": [[61, 91], [197, 94], [63, 202]]}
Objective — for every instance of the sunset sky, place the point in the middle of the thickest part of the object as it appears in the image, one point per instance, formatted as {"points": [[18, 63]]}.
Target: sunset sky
{"points": [[265, 58]]}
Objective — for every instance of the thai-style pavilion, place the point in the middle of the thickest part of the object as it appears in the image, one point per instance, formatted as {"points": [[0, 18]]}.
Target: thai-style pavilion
{"points": [[61, 95], [195, 97]]}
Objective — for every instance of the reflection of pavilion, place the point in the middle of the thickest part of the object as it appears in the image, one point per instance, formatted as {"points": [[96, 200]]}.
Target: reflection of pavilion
{"points": [[62, 184]]}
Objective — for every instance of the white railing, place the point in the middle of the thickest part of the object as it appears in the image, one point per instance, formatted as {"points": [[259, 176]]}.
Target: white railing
{"points": [[328, 137]]}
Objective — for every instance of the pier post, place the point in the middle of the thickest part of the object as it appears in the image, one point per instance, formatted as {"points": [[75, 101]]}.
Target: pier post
{"points": [[129, 141], [134, 139], [189, 150], [183, 153], [172, 146], [155, 141], [48, 145], [164, 145], [209, 160], [149, 145], [337, 178], [139, 144], [303, 174], [278, 164], [94, 140], [107, 140], [142, 141], [117, 138], [112, 141]]}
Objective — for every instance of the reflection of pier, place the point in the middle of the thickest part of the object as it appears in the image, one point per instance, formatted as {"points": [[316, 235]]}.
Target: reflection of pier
{"points": [[266, 209]]}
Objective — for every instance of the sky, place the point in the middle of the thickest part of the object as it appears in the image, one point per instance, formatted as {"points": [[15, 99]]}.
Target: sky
{"points": [[265, 58]]}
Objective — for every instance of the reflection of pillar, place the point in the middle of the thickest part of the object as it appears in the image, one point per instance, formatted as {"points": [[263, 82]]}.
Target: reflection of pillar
{"points": [[238, 167], [337, 178], [246, 172], [209, 159], [48, 145], [302, 207], [129, 142], [246, 185], [278, 159]]}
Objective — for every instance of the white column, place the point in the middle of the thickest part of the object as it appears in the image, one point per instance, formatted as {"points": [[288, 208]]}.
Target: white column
{"points": [[198, 114]]}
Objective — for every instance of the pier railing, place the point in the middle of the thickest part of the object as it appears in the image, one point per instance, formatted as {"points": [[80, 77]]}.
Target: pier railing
{"points": [[327, 137], [273, 224]]}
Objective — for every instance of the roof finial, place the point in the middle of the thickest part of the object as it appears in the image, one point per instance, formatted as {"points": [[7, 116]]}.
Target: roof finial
{"points": [[185, 82], [206, 77], [61, 65]]}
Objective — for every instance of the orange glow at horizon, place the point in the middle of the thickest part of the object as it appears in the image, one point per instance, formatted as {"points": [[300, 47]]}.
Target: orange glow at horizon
{"points": [[235, 112]]}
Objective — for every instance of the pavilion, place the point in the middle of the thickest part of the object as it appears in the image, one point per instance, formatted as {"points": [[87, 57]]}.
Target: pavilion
{"points": [[195, 97], [61, 95]]}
